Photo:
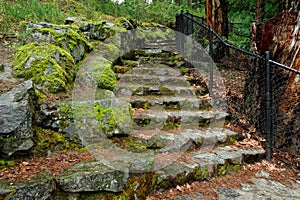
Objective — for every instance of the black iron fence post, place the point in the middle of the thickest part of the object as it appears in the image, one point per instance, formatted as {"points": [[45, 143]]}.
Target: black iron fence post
{"points": [[182, 31], [211, 70], [268, 108]]}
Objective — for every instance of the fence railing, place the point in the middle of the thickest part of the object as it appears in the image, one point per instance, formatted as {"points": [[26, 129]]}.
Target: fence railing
{"points": [[256, 87]]}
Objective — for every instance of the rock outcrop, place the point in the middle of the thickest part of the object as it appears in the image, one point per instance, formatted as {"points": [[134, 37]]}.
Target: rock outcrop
{"points": [[16, 111]]}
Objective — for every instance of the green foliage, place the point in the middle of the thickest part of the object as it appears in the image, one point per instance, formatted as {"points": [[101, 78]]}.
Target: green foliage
{"points": [[242, 14]]}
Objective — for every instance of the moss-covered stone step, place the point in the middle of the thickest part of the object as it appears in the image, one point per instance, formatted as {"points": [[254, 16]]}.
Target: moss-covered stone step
{"points": [[162, 70], [154, 50], [153, 80], [184, 140], [165, 120], [170, 103], [145, 90]]}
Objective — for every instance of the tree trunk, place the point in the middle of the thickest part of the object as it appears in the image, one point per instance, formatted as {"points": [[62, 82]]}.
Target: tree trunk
{"points": [[259, 11], [216, 16]]}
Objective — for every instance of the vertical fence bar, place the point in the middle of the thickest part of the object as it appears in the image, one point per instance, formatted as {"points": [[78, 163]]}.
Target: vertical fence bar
{"points": [[187, 23], [268, 107], [211, 70], [182, 36]]}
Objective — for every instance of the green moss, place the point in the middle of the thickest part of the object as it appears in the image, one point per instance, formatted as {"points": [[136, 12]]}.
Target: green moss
{"points": [[140, 104], [122, 20], [47, 140], [129, 63], [46, 65], [137, 187], [154, 33], [108, 51], [13, 191], [40, 97], [201, 174], [6, 163], [106, 79], [232, 140], [227, 169]]}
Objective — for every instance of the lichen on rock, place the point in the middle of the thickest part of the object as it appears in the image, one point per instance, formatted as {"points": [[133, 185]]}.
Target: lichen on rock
{"points": [[48, 66]]}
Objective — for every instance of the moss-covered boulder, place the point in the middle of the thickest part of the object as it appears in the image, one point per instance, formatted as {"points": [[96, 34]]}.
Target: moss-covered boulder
{"points": [[69, 38], [103, 118], [48, 66], [97, 71], [97, 30]]}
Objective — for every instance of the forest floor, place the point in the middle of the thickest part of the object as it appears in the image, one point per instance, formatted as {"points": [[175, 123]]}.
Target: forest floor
{"points": [[283, 168]]}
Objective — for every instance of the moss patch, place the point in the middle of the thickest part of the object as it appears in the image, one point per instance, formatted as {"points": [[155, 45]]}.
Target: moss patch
{"points": [[227, 169]]}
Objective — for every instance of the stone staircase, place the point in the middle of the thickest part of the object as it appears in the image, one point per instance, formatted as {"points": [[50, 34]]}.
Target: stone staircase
{"points": [[177, 135]]}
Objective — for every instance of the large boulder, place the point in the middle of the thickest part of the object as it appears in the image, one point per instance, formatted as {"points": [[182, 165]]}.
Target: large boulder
{"points": [[16, 111]]}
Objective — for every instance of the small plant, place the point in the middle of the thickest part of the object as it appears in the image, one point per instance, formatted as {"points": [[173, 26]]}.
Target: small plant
{"points": [[6, 164]]}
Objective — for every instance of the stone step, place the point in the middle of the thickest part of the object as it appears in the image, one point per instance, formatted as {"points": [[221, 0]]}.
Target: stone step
{"points": [[157, 90], [185, 140], [151, 119], [163, 70], [200, 165], [169, 103], [153, 80]]}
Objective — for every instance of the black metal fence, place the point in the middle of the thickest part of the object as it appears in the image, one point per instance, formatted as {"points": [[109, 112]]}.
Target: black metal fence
{"points": [[262, 95]]}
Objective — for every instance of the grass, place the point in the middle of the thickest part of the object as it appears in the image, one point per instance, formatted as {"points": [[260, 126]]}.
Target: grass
{"points": [[55, 11]]}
